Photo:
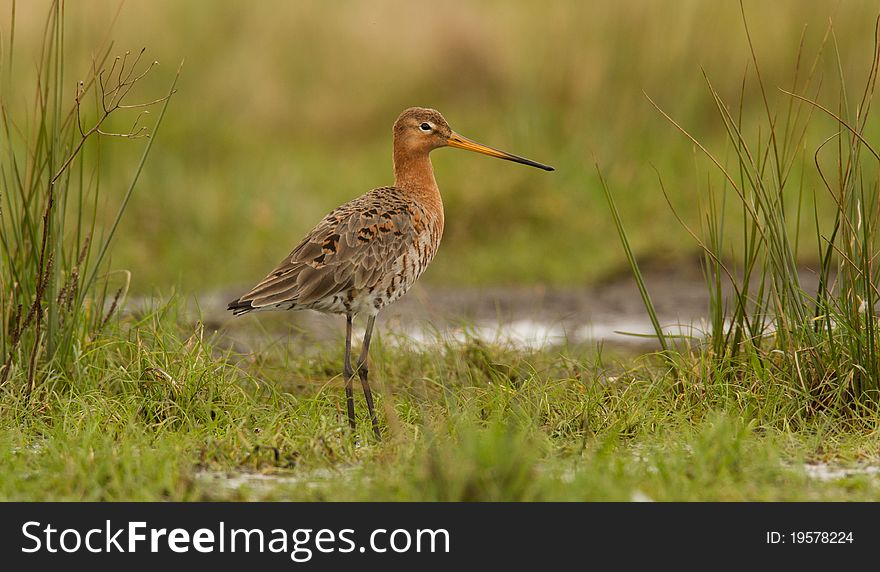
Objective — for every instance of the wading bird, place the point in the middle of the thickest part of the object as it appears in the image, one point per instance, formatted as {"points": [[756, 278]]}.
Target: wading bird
{"points": [[367, 253]]}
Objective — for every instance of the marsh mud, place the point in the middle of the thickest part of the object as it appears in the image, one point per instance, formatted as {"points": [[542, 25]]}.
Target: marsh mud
{"points": [[610, 312]]}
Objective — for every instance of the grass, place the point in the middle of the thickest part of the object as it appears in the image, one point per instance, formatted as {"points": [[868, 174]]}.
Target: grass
{"points": [[160, 412], [53, 277], [823, 343], [97, 404]]}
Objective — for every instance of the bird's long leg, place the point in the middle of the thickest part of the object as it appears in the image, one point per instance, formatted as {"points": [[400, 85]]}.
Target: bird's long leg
{"points": [[348, 373], [362, 373]]}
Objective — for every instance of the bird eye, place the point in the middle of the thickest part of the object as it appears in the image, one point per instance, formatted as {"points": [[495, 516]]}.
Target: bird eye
{"points": [[426, 127]]}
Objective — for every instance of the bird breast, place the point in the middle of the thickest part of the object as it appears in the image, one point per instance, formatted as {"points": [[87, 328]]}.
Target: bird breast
{"points": [[405, 264]]}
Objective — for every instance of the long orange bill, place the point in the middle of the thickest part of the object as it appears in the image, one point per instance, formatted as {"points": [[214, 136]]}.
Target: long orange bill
{"points": [[456, 140]]}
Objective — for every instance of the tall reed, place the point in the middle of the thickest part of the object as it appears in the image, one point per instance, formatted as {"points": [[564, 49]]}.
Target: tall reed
{"points": [[54, 283], [765, 325]]}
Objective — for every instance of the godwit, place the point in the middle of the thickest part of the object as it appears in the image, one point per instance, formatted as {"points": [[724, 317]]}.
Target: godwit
{"points": [[367, 253]]}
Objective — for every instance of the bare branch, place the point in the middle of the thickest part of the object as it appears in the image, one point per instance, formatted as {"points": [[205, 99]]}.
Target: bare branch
{"points": [[114, 84], [148, 103]]}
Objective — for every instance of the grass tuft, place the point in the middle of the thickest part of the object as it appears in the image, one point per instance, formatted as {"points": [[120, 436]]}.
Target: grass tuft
{"points": [[820, 345], [54, 278]]}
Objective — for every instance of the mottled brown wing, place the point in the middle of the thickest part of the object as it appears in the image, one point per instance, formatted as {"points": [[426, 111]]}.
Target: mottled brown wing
{"points": [[352, 247]]}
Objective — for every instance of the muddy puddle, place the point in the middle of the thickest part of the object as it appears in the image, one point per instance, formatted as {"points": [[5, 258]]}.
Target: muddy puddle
{"points": [[255, 486], [260, 485], [529, 317], [833, 472]]}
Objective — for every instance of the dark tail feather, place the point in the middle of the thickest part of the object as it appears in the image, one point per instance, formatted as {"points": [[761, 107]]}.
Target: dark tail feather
{"points": [[239, 307]]}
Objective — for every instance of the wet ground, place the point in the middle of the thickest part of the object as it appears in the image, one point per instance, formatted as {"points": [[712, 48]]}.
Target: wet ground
{"points": [[259, 486], [611, 312]]}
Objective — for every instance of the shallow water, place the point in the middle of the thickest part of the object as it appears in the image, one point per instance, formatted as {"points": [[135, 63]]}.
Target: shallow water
{"points": [[535, 334], [263, 484], [526, 317], [832, 472], [259, 485]]}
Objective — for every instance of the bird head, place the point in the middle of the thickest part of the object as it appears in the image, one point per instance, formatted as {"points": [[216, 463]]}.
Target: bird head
{"points": [[421, 130]]}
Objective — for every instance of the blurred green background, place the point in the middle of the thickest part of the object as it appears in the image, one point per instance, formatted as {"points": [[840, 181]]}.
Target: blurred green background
{"points": [[284, 111]]}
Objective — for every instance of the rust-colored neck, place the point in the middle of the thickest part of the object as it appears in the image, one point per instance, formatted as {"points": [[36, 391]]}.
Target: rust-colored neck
{"points": [[413, 170], [414, 174]]}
